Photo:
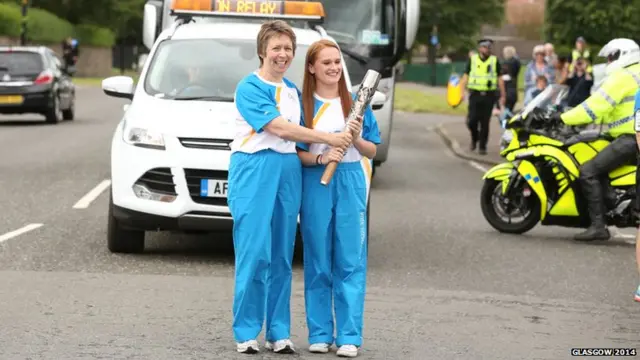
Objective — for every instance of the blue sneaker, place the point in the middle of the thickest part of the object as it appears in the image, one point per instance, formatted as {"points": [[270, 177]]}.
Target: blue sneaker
{"points": [[636, 297]]}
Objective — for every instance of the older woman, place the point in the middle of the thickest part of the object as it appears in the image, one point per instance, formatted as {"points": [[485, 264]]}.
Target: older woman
{"points": [[538, 67], [265, 191], [511, 65]]}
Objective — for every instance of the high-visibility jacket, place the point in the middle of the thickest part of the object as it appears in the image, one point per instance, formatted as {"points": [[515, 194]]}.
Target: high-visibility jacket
{"points": [[575, 54], [612, 105], [483, 75]]}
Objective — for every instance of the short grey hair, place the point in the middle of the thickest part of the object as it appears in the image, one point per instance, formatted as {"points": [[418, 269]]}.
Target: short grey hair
{"points": [[537, 49], [509, 52]]}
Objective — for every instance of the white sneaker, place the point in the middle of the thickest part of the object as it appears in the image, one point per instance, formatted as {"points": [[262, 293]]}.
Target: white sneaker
{"points": [[284, 346], [347, 351], [248, 347], [319, 348]]}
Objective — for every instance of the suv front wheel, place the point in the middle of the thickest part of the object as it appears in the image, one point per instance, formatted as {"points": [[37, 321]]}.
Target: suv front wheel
{"points": [[121, 240]]}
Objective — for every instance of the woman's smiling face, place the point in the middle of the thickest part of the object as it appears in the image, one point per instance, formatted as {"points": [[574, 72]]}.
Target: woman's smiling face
{"points": [[328, 66], [278, 55]]}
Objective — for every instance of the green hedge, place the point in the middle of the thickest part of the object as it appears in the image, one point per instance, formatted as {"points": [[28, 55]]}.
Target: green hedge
{"points": [[10, 20], [95, 35], [44, 27]]}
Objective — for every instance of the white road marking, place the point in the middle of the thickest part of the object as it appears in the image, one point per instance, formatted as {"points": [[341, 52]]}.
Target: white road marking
{"points": [[477, 166], [615, 232], [18, 232], [92, 195]]}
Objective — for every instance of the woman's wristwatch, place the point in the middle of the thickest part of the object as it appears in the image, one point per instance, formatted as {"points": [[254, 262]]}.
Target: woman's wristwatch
{"points": [[319, 159]]}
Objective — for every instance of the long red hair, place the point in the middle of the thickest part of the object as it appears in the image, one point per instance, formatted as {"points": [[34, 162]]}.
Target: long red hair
{"points": [[309, 83]]}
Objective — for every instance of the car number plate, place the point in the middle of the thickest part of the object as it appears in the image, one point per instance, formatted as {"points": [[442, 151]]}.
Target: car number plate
{"points": [[213, 188], [11, 99]]}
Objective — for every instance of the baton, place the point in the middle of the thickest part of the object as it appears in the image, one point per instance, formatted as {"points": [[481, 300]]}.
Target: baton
{"points": [[362, 100]]}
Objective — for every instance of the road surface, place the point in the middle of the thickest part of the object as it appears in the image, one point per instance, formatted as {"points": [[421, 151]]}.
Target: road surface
{"points": [[442, 284]]}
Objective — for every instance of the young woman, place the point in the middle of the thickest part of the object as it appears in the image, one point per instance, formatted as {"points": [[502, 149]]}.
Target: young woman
{"points": [[333, 217], [265, 191]]}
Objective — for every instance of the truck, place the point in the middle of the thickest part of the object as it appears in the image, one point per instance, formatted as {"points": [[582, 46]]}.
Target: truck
{"points": [[372, 34]]}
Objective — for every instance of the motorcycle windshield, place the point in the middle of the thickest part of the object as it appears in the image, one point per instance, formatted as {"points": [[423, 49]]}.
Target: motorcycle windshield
{"points": [[552, 95]]}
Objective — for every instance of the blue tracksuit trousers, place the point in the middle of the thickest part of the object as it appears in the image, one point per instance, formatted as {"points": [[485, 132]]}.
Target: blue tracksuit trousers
{"points": [[264, 199], [333, 225]]}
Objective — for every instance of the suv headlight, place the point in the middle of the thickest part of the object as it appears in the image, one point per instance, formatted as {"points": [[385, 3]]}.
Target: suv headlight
{"points": [[142, 138]]}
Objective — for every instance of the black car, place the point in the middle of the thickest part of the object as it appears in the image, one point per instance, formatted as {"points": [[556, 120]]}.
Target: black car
{"points": [[35, 80]]}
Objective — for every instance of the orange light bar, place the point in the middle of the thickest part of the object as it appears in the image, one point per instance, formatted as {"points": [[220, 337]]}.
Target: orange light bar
{"points": [[251, 8], [303, 8], [192, 5]]}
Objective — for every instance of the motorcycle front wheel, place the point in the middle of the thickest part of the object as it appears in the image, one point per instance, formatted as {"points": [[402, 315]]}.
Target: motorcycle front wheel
{"points": [[515, 214]]}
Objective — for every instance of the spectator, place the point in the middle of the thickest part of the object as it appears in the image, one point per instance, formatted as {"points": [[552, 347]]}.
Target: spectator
{"points": [[580, 82], [553, 59], [511, 67], [541, 84], [581, 51], [550, 55], [537, 67], [70, 52]]}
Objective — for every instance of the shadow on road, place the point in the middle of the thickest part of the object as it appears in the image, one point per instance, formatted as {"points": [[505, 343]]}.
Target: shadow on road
{"points": [[210, 248], [564, 239], [26, 122]]}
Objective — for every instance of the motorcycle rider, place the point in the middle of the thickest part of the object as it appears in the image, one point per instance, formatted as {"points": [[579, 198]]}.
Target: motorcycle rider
{"points": [[612, 108]]}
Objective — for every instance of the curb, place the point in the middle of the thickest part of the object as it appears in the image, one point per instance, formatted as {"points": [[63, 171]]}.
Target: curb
{"points": [[454, 146]]}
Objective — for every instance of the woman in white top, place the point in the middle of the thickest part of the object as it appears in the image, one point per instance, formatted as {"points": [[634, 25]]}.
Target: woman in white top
{"points": [[265, 191], [333, 217]]}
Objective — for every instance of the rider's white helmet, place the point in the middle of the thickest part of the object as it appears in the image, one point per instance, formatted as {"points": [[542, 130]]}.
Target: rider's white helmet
{"points": [[620, 53]]}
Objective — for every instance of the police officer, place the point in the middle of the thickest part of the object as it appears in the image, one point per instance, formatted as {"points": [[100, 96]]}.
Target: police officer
{"points": [[612, 108], [482, 78], [580, 52]]}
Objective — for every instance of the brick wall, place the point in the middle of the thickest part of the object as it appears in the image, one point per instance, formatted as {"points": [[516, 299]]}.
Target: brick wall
{"points": [[92, 62]]}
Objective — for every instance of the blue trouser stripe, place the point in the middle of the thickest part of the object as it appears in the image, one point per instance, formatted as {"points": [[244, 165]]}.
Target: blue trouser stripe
{"points": [[333, 225], [264, 199]]}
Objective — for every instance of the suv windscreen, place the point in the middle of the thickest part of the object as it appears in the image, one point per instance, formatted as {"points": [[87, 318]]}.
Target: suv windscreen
{"points": [[208, 69], [20, 63]]}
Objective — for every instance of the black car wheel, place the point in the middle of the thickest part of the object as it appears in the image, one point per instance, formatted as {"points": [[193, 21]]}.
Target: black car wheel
{"points": [[54, 113], [69, 114]]}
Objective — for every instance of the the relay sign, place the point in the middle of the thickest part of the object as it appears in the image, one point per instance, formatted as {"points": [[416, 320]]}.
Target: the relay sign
{"points": [[249, 7]]}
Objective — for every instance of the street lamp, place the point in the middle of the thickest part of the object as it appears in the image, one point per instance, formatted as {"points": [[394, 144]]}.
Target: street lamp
{"points": [[23, 33]]}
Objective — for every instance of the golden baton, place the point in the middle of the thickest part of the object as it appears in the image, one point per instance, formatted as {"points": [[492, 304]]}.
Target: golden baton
{"points": [[360, 103]]}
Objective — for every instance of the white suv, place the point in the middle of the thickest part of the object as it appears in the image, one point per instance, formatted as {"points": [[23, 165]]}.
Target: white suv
{"points": [[170, 152]]}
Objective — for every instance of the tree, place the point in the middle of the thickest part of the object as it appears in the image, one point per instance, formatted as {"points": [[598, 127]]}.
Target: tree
{"points": [[459, 21], [123, 17], [596, 20]]}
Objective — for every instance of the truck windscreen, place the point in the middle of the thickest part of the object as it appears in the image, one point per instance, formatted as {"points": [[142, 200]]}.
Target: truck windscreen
{"points": [[356, 22]]}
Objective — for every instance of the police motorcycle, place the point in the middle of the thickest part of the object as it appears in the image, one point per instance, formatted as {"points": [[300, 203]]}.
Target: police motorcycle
{"points": [[539, 183]]}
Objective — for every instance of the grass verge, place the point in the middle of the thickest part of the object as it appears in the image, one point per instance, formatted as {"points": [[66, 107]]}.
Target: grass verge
{"points": [[97, 81], [419, 101], [425, 101]]}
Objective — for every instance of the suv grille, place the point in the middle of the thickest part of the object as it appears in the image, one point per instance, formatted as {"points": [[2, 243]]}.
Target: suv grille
{"points": [[159, 180], [209, 144], [193, 177]]}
